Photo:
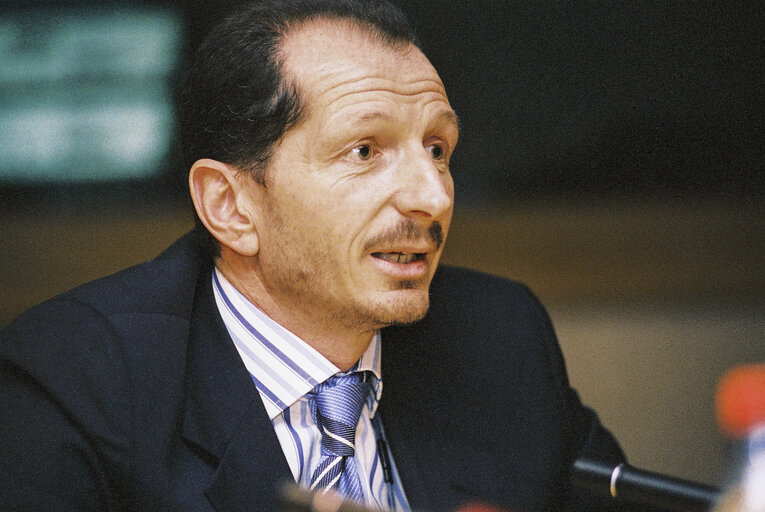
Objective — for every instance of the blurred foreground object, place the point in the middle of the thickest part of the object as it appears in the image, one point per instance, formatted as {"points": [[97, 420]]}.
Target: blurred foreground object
{"points": [[740, 404], [293, 498]]}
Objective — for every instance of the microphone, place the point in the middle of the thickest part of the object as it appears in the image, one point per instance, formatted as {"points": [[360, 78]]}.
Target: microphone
{"points": [[740, 404], [643, 487]]}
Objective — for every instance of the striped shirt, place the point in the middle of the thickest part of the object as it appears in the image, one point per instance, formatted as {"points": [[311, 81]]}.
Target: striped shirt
{"points": [[284, 369]]}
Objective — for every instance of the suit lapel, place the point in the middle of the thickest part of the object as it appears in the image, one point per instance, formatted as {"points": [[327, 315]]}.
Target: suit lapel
{"points": [[224, 416], [437, 466]]}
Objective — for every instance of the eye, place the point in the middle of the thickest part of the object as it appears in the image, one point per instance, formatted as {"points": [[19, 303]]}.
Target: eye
{"points": [[436, 151], [363, 152]]}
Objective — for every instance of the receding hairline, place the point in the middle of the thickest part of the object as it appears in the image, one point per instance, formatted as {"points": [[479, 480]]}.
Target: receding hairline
{"points": [[361, 28], [329, 21], [346, 25]]}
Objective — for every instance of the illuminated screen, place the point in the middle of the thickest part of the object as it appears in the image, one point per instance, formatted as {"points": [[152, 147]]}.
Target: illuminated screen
{"points": [[86, 95]]}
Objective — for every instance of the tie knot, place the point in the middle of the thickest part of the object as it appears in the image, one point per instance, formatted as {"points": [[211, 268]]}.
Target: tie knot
{"points": [[339, 401]]}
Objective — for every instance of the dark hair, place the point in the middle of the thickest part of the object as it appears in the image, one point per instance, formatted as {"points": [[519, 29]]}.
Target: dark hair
{"points": [[236, 102]]}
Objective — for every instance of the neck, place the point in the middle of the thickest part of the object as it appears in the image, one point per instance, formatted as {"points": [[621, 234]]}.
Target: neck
{"points": [[342, 346]]}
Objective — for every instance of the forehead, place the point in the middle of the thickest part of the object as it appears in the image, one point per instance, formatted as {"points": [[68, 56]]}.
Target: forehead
{"points": [[332, 60]]}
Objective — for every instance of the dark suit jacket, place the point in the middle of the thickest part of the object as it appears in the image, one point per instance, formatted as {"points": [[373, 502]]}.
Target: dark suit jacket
{"points": [[127, 394]]}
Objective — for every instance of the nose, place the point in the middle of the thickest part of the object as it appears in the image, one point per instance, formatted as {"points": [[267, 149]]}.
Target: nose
{"points": [[424, 186]]}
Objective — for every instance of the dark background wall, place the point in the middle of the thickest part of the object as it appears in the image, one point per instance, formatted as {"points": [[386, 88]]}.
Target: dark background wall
{"points": [[603, 97], [611, 157]]}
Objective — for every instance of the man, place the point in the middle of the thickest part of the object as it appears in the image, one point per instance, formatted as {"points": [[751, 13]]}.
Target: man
{"points": [[318, 137]]}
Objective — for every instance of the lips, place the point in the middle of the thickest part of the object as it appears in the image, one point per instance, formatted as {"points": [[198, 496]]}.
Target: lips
{"points": [[400, 257]]}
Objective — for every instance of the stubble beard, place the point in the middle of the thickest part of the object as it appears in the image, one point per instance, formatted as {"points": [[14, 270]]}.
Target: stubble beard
{"points": [[301, 283], [397, 310], [405, 303]]}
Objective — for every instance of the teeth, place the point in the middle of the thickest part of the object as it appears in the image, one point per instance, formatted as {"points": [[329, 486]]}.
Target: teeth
{"points": [[397, 257]]}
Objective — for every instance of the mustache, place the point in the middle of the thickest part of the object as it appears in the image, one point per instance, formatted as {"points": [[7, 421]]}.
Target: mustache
{"points": [[408, 231]]}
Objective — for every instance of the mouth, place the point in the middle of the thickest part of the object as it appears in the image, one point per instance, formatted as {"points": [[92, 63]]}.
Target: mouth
{"points": [[400, 257]]}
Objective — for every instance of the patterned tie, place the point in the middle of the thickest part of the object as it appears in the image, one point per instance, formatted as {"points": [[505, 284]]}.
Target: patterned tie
{"points": [[338, 407]]}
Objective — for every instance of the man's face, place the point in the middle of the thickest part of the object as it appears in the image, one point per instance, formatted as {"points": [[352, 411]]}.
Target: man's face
{"points": [[359, 195]]}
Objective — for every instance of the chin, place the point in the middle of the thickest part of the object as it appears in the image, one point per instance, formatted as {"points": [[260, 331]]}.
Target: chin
{"points": [[410, 305]]}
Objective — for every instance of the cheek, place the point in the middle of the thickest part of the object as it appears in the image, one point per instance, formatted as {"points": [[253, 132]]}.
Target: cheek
{"points": [[324, 221], [361, 199], [336, 214]]}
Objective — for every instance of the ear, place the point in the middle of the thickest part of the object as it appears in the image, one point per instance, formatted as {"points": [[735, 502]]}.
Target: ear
{"points": [[221, 201]]}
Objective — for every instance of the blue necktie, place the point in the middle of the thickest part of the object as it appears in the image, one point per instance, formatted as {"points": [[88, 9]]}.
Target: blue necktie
{"points": [[338, 407]]}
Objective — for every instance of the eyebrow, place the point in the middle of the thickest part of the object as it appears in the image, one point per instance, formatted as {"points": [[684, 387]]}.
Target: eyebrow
{"points": [[451, 116], [373, 116], [444, 115]]}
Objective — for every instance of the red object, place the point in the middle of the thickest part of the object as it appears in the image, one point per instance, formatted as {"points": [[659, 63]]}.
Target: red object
{"points": [[479, 507], [740, 400]]}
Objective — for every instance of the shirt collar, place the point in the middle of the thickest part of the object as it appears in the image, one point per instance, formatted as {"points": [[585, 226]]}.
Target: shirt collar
{"points": [[283, 367]]}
